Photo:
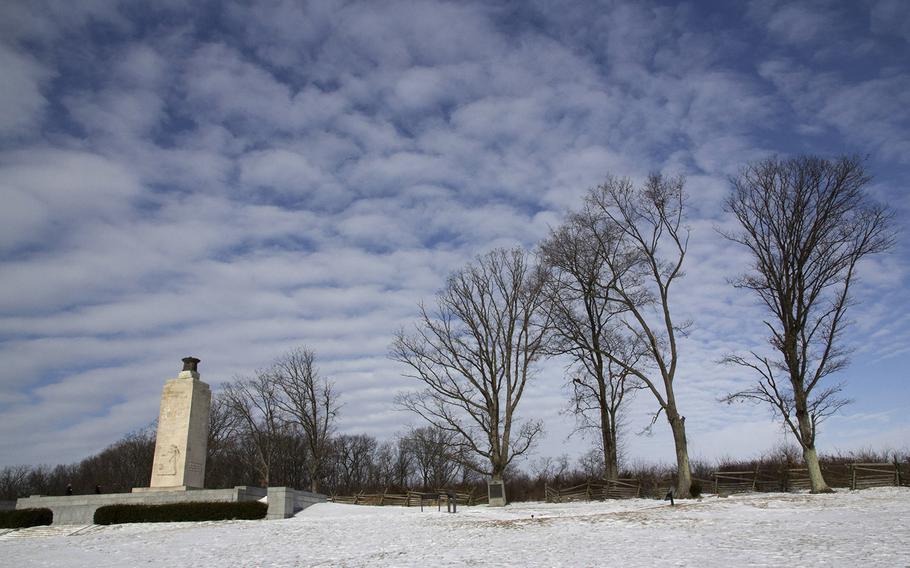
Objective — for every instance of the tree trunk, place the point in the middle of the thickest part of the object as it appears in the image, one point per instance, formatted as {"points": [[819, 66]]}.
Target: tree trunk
{"points": [[807, 441], [816, 479], [611, 471], [314, 477], [608, 436], [683, 471]]}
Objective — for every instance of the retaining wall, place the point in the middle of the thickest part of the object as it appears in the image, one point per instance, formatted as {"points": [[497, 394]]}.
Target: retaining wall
{"points": [[80, 509], [285, 502]]}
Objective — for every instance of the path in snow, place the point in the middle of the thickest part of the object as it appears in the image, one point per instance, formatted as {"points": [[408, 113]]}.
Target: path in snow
{"points": [[863, 528]]}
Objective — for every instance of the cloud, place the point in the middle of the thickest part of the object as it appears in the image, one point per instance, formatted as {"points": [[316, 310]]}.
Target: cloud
{"points": [[50, 187], [292, 173], [21, 103], [890, 17]]}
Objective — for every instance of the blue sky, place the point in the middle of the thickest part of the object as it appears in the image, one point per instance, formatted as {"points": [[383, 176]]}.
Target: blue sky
{"points": [[235, 179]]}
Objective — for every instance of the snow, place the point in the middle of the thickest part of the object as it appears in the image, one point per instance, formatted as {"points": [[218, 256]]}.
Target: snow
{"points": [[861, 528]]}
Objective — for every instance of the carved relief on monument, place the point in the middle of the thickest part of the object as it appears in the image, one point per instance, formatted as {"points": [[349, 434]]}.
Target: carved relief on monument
{"points": [[167, 462]]}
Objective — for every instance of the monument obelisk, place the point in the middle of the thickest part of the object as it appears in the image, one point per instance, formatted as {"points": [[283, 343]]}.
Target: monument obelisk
{"points": [[183, 429]]}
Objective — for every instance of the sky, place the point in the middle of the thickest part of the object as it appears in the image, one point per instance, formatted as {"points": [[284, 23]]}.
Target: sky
{"points": [[232, 180]]}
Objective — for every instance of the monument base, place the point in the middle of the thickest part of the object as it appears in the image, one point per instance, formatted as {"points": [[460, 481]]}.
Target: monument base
{"points": [[80, 509], [172, 488]]}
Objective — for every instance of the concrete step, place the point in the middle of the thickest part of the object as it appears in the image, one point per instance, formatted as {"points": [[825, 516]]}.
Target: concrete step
{"points": [[47, 530], [87, 529]]}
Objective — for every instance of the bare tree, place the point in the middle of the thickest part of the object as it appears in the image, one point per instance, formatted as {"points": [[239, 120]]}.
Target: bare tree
{"points": [[354, 456], [475, 354], [309, 401], [549, 468], [806, 222], [642, 240], [14, 482], [591, 463], [254, 403], [435, 457], [586, 322], [223, 424], [395, 463]]}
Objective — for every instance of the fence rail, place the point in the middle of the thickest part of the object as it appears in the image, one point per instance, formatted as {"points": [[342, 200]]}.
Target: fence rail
{"points": [[409, 499], [727, 482], [853, 475], [865, 475], [595, 491]]}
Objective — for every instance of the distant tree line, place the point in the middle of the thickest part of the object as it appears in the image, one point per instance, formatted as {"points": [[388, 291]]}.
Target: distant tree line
{"points": [[419, 460]]}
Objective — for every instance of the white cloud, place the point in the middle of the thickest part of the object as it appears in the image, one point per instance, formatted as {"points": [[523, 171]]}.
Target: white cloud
{"points": [[308, 173], [21, 101]]}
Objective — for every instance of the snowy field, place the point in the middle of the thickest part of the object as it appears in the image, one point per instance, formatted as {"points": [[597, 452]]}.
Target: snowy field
{"points": [[864, 528]]}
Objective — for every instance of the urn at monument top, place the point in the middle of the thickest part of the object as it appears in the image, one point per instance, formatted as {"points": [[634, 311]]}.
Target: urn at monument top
{"points": [[183, 429]]}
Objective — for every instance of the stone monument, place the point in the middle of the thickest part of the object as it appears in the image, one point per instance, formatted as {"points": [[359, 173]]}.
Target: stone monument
{"points": [[179, 465], [496, 493], [183, 429]]}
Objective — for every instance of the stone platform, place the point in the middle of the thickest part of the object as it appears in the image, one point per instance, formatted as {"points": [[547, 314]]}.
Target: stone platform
{"points": [[284, 502]]}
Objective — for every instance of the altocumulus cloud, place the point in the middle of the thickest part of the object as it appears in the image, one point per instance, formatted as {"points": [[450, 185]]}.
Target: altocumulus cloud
{"points": [[236, 179]]}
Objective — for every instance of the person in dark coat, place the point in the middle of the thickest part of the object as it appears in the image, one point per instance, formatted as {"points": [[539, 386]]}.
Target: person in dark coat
{"points": [[97, 490], [69, 489]]}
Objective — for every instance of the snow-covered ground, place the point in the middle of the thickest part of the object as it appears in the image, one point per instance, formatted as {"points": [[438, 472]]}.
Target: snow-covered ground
{"points": [[863, 528]]}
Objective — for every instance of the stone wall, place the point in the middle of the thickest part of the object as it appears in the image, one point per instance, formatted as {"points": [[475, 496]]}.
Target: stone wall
{"points": [[80, 509], [285, 502]]}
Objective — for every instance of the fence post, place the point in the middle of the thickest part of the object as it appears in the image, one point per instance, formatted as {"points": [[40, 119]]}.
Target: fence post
{"points": [[853, 477], [897, 472]]}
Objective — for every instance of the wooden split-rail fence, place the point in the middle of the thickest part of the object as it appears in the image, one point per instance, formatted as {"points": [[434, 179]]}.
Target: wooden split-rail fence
{"points": [[409, 498], [864, 475], [854, 476], [595, 491]]}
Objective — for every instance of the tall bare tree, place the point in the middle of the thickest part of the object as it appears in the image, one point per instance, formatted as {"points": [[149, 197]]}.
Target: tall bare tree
{"points": [[807, 223], [254, 403], [475, 354], [309, 401], [586, 318], [641, 237]]}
